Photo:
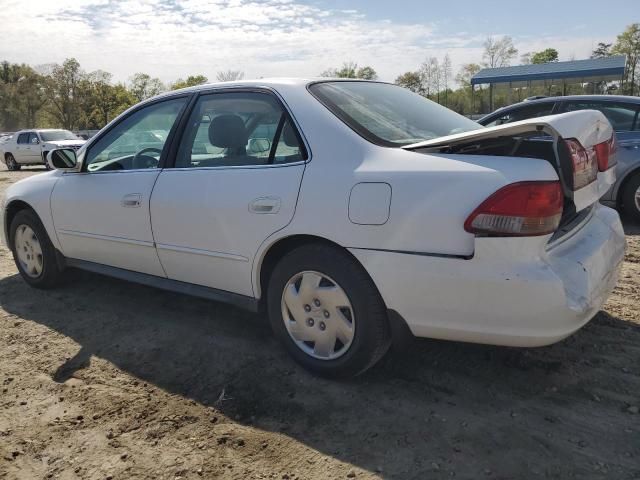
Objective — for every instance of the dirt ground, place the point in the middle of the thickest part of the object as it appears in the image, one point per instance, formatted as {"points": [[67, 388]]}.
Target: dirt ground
{"points": [[103, 379]]}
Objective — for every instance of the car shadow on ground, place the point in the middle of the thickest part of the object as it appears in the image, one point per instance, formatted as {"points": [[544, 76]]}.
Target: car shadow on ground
{"points": [[437, 408]]}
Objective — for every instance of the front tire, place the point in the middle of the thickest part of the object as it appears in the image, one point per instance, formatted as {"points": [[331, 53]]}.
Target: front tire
{"points": [[631, 197], [326, 310], [12, 165], [33, 252]]}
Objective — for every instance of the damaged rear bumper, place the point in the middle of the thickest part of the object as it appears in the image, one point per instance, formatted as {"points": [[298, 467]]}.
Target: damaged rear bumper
{"points": [[509, 293]]}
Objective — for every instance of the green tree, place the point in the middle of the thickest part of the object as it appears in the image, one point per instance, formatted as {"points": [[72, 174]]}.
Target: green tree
{"points": [[411, 81], [602, 50], [191, 81], [463, 78], [32, 95], [628, 44], [545, 56], [106, 100], [22, 96], [367, 73], [446, 76], [498, 53], [350, 70], [230, 76], [143, 86], [64, 87]]}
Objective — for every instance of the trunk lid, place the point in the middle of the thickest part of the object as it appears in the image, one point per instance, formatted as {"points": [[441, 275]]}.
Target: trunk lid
{"points": [[542, 137]]}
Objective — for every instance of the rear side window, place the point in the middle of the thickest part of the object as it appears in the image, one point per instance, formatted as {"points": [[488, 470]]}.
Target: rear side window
{"points": [[523, 113], [238, 129], [389, 115], [23, 138], [622, 116]]}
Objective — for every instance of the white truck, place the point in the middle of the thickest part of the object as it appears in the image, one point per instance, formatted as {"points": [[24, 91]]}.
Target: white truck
{"points": [[30, 147]]}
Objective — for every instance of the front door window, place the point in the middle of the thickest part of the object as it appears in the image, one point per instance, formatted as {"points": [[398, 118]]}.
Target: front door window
{"points": [[138, 141]]}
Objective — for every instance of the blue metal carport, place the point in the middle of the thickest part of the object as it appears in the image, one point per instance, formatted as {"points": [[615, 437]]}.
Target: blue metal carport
{"points": [[592, 70]]}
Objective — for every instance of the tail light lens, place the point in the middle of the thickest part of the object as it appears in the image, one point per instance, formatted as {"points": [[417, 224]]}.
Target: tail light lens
{"points": [[606, 153], [519, 209], [585, 163]]}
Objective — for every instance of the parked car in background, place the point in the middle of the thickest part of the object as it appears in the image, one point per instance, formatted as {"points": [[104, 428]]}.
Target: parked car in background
{"points": [[85, 134], [4, 138], [30, 147], [352, 212], [623, 114]]}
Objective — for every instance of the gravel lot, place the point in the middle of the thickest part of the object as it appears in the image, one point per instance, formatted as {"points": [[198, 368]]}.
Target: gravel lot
{"points": [[107, 379]]}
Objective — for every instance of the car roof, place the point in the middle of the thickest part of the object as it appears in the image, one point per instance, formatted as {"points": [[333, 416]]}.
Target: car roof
{"points": [[24, 130], [583, 98], [263, 83], [271, 82], [276, 84]]}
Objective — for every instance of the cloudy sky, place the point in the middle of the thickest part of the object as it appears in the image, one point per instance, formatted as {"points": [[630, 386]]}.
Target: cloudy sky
{"points": [[176, 38]]}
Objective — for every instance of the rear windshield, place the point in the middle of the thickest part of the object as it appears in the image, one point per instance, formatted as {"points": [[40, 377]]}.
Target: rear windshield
{"points": [[387, 114]]}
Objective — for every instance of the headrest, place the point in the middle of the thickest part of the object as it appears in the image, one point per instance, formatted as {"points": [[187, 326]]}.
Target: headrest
{"points": [[289, 136], [228, 131]]}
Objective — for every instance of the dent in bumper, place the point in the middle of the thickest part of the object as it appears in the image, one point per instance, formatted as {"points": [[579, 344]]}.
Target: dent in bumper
{"points": [[509, 293]]}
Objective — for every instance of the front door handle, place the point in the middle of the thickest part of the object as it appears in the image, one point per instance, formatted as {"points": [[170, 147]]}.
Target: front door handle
{"points": [[131, 200], [265, 205]]}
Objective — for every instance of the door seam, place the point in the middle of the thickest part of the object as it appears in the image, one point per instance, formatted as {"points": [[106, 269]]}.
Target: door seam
{"points": [[153, 235]]}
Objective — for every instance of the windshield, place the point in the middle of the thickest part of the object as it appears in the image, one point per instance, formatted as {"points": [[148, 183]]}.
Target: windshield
{"points": [[56, 135], [387, 114]]}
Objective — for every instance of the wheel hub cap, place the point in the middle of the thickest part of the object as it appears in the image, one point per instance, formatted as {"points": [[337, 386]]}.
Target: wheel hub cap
{"points": [[28, 251], [318, 315]]}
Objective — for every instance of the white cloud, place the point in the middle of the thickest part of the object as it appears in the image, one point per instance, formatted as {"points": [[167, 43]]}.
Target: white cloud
{"points": [[175, 38]]}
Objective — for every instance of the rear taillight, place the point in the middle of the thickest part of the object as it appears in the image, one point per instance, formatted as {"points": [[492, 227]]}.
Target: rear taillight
{"points": [[519, 209], [606, 153], [585, 163]]}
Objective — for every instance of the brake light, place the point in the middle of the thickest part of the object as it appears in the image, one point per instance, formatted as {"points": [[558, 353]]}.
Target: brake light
{"points": [[606, 153], [584, 161], [519, 209]]}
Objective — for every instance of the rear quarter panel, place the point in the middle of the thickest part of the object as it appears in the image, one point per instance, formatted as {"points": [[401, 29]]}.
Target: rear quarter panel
{"points": [[432, 194]]}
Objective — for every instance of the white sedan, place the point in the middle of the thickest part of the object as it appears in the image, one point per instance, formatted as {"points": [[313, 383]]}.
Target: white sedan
{"points": [[351, 211]]}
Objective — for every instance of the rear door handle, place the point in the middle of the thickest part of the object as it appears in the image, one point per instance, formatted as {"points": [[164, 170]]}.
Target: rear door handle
{"points": [[265, 205], [131, 200]]}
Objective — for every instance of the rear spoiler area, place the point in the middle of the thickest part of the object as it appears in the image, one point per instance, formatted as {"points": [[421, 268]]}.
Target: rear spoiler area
{"points": [[580, 145]]}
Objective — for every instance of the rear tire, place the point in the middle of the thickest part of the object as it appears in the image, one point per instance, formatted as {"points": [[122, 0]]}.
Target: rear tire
{"points": [[34, 254], [344, 310], [12, 165], [631, 197]]}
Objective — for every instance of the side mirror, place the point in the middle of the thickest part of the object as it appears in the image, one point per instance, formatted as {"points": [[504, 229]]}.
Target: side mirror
{"points": [[259, 145], [62, 159]]}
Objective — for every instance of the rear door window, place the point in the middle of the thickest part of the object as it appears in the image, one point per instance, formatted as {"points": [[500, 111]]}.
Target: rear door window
{"points": [[622, 116], [23, 138], [523, 113], [238, 129]]}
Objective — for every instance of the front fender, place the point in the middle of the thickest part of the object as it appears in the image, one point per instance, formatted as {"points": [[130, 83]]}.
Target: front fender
{"points": [[35, 192]]}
